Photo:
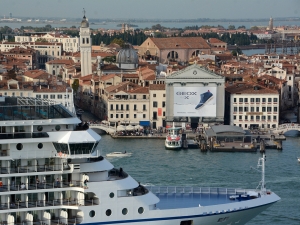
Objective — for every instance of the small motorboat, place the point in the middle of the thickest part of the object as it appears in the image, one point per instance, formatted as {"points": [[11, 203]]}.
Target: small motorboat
{"points": [[118, 154], [298, 159]]}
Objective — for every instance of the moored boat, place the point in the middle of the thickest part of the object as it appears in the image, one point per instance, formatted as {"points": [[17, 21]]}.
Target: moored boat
{"points": [[174, 138], [118, 154]]}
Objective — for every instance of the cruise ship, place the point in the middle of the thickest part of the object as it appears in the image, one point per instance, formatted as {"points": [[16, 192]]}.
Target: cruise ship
{"points": [[52, 172]]}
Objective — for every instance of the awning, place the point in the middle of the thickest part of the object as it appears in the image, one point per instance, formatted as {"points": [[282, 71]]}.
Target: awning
{"points": [[145, 123]]}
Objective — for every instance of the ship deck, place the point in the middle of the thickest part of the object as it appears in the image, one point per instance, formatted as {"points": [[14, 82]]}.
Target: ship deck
{"points": [[171, 198]]}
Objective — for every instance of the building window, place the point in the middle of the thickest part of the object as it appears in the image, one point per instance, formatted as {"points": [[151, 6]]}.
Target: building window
{"points": [[117, 115], [269, 109], [83, 41], [38, 96], [245, 99], [252, 100], [269, 117], [134, 107], [290, 78], [154, 95], [127, 116], [155, 104], [246, 117], [257, 109], [274, 117], [240, 99], [144, 107], [122, 107], [111, 107], [144, 116], [234, 99], [251, 117], [252, 109], [257, 118], [263, 100], [52, 96], [134, 116], [245, 109], [121, 115], [263, 109], [117, 107], [111, 116], [59, 96], [235, 109], [275, 109], [263, 117], [269, 100], [127, 107], [164, 113], [234, 117], [275, 100], [257, 99], [144, 96], [240, 109], [240, 117], [164, 95], [163, 104]]}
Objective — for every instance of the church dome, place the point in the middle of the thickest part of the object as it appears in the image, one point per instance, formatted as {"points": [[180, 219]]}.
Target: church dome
{"points": [[127, 58], [84, 22]]}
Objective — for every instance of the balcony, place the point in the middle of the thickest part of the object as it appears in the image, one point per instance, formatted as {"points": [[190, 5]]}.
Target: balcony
{"points": [[33, 169]]}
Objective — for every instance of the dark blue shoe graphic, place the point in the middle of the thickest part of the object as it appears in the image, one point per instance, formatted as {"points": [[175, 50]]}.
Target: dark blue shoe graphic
{"points": [[204, 97]]}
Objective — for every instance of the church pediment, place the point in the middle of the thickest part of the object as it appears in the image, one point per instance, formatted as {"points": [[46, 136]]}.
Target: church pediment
{"points": [[194, 72]]}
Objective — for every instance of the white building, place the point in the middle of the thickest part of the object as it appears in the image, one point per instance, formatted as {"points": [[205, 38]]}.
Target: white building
{"points": [[85, 47], [250, 105], [70, 44]]}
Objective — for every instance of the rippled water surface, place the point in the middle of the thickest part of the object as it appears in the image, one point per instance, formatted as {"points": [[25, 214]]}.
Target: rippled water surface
{"points": [[152, 164]]}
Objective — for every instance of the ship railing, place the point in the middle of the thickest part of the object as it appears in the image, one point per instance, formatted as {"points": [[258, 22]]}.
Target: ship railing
{"points": [[58, 220], [24, 135], [33, 169], [43, 203], [191, 190], [41, 185]]}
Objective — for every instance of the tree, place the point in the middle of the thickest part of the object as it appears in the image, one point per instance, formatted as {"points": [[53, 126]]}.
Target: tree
{"points": [[75, 85], [242, 27], [231, 27], [110, 59], [118, 41], [41, 40]]}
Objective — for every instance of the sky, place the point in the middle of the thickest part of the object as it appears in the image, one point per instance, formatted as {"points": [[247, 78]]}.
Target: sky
{"points": [[151, 9]]}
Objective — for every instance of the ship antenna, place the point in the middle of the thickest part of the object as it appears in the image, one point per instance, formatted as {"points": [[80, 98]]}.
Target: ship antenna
{"points": [[262, 183], [261, 163]]}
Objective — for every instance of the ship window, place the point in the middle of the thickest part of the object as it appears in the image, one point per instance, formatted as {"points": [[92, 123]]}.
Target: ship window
{"points": [[108, 212], [19, 146], [60, 147], [111, 195], [124, 211], [40, 145], [186, 222], [57, 127], [141, 210], [92, 213], [39, 128], [81, 148]]}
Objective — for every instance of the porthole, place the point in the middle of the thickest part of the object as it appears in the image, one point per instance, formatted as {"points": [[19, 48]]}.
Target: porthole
{"points": [[108, 212], [111, 195], [57, 127], [92, 213], [19, 146], [141, 210], [39, 128], [40, 145], [124, 211]]}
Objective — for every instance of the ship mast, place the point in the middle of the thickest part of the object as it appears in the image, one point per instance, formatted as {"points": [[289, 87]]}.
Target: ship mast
{"points": [[261, 163]]}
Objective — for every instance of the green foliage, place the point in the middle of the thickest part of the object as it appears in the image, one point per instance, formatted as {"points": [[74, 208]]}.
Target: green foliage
{"points": [[192, 28], [242, 27], [118, 41], [236, 39], [135, 38], [254, 28], [75, 85], [236, 52], [72, 33], [231, 27], [46, 28], [158, 27], [110, 59], [41, 40]]}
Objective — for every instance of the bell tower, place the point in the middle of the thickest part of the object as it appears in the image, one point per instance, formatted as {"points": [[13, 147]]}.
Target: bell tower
{"points": [[85, 47]]}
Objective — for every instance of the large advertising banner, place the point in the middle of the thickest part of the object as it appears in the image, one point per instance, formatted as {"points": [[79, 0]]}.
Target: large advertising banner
{"points": [[195, 101]]}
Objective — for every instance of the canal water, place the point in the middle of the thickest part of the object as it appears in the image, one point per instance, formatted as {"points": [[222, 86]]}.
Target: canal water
{"points": [[151, 164]]}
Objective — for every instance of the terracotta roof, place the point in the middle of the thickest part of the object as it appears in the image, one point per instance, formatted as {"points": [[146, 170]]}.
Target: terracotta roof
{"points": [[61, 61], [140, 90], [215, 40], [107, 77], [249, 88], [180, 42], [157, 87], [37, 74]]}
